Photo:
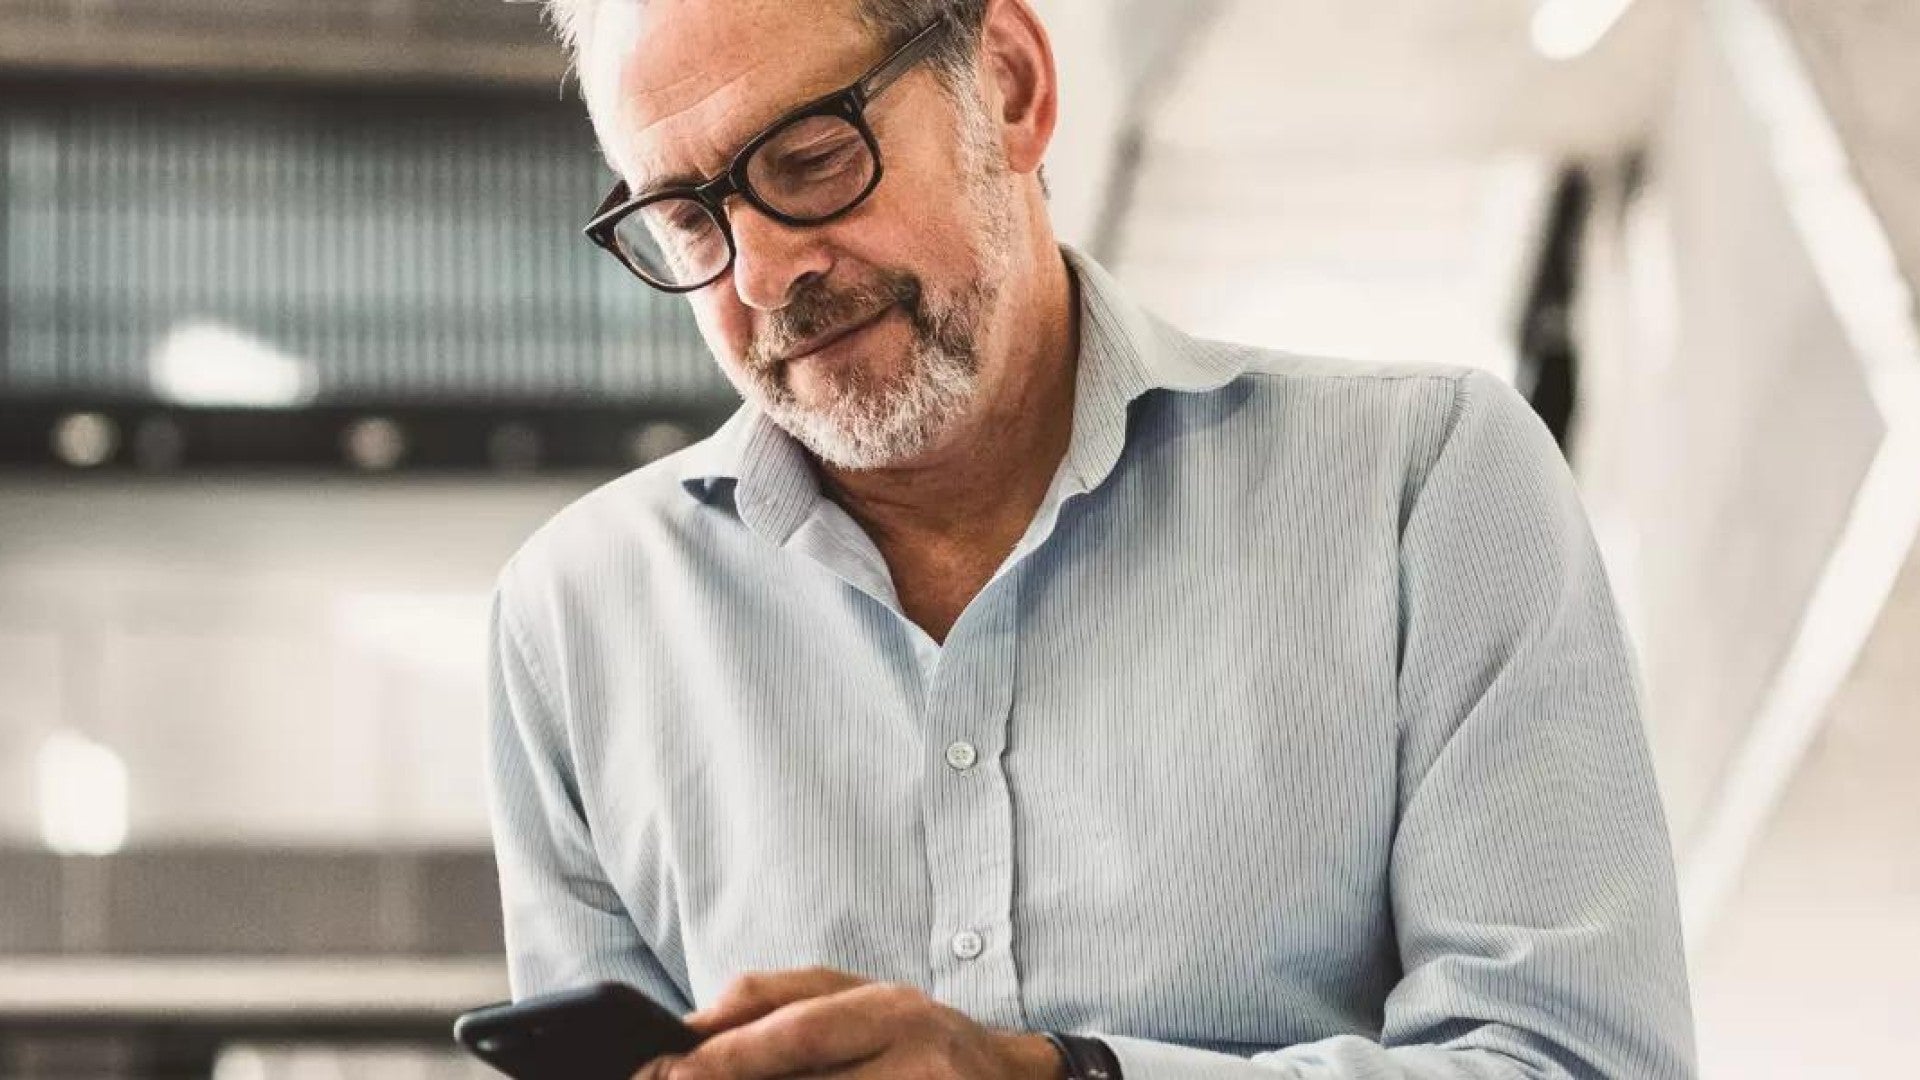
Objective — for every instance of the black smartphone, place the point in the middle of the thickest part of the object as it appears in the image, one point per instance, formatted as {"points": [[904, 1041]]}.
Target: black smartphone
{"points": [[607, 1031]]}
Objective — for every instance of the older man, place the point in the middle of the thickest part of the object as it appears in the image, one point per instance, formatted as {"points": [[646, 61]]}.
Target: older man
{"points": [[1017, 687]]}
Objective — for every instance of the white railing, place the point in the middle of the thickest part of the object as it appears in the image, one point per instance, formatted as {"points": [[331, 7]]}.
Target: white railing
{"points": [[1860, 276]]}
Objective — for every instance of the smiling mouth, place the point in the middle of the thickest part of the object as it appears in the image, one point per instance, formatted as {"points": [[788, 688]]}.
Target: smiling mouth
{"points": [[817, 344]]}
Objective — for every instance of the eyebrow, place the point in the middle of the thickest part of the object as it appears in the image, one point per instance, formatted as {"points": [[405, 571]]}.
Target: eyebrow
{"points": [[682, 179], [686, 178]]}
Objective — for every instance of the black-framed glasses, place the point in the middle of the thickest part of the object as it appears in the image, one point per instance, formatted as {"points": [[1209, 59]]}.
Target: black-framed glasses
{"points": [[813, 165]]}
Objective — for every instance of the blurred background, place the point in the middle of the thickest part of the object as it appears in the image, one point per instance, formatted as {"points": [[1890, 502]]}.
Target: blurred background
{"points": [[298, 340]]}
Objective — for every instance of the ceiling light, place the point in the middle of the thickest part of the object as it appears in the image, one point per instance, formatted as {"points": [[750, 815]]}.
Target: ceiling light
{"points": [[83, 795], [205, 363], [1568, 29]]}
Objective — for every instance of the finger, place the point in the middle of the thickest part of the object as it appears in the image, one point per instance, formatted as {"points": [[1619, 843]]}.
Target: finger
{"points": [[950, 1044], [814, 1035], [658, 1069], [751, 997]]}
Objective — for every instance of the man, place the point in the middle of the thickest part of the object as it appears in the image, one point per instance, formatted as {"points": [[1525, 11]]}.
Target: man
{"points": [[1017, 687]]}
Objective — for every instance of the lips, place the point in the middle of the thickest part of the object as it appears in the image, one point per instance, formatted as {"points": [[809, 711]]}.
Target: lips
{"points": [[815, 344]]}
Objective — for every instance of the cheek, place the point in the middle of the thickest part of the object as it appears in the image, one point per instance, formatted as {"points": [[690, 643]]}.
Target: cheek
{"points": [[725, 325], [928, 200], [902, 235], [937, 230]]}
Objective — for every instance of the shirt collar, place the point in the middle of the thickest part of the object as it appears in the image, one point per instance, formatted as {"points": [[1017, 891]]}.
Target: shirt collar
{"points": [[1125, 352]]}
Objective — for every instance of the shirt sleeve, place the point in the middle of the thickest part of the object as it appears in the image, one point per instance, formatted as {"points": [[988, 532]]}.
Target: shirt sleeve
{"points": [[1531, 873], [565, 923]]}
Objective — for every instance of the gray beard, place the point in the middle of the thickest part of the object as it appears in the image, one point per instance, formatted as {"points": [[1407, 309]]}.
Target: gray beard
{"points": [[872, 424]]}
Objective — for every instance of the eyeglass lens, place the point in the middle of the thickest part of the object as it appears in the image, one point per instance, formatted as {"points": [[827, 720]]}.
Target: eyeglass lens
{"points": [[810, 170]]}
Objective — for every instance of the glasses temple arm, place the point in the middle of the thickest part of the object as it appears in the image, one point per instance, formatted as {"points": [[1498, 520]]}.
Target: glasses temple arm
{"points": [[899, 63]]}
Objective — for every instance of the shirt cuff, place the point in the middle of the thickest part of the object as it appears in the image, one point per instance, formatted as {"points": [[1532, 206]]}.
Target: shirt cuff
{"points": [[1145, 1059]]}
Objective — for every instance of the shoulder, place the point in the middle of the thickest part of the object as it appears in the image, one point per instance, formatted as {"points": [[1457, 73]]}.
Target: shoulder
{"points": [[599, 544], [1433, 403], [1302, 396], [1358, 423], [1295, 378], [1441, 390]]}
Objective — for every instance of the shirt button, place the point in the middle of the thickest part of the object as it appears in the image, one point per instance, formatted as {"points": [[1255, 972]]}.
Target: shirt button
{"points": [[967, 944], [961, 755]]}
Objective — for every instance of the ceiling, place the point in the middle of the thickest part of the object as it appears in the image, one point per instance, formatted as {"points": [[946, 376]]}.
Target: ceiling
{"points": [[1861, 54], [1368, 179]]}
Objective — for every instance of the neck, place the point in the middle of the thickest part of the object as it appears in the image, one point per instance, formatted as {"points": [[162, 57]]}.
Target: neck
{"points": [[987, 476]]}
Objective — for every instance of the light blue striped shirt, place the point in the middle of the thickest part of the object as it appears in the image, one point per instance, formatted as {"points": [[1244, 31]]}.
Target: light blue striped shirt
{"points": [[1298, 737]]}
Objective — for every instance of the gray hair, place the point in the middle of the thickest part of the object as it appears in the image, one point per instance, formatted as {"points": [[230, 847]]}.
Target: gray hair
{"points": [[892, 21]]}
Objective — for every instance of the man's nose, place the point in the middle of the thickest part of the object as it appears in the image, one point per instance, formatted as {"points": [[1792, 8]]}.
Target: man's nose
{"points": [[771, 260]]}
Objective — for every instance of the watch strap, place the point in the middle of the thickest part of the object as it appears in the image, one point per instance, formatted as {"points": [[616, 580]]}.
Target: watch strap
{"points": [[1086, 1058]]}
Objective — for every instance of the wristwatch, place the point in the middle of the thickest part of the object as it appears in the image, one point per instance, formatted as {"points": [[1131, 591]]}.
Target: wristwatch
{"points": [[1085, 1058]]}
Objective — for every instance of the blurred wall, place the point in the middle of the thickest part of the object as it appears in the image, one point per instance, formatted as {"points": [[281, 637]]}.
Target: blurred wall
{"points": [[1809, 969], [1730, 426], [277, 661]]}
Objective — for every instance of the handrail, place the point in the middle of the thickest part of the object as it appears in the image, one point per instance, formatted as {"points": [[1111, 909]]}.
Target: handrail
{"points": [[143, 989], [1854, 261]]}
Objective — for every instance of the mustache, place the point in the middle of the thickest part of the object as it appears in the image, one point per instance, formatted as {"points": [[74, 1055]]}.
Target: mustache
{"points": [[818, 309]]}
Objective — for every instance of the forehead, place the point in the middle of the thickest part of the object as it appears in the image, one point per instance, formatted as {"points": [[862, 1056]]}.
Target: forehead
{"points": [[678, 85]]}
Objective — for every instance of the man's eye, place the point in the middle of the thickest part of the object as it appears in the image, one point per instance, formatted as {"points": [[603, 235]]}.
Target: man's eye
{"points": [[683, 219], [819, 159]]}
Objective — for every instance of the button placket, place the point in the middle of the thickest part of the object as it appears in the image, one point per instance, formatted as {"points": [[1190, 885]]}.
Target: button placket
{"points": [[969, 814]]}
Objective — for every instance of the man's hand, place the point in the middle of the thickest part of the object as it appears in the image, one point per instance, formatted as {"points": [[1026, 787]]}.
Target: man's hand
{"points": [[820, 1022]]}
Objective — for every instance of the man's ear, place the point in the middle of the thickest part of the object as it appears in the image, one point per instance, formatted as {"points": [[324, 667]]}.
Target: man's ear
{"points": [[1016, 60]]}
